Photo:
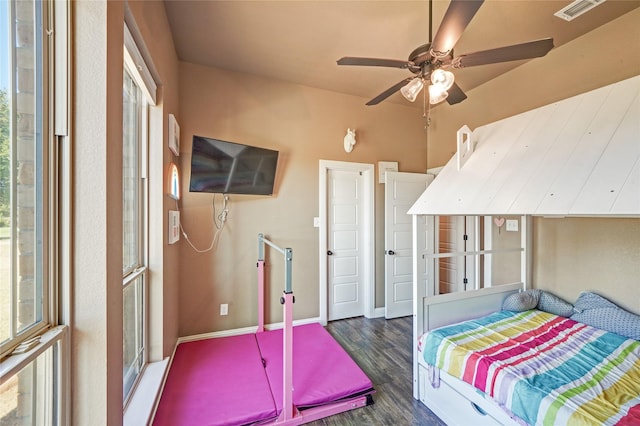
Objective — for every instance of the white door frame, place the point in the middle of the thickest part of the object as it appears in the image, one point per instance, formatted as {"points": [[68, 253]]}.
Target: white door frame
{"points": [[368, 173]]}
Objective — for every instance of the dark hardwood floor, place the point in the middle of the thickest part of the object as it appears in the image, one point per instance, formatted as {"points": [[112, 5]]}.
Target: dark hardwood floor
{"points": [[384, 351]]}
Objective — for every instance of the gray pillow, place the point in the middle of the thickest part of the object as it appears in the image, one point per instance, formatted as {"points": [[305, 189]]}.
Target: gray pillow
{"points": [[593, 309], [554, 305], [522, 301]]}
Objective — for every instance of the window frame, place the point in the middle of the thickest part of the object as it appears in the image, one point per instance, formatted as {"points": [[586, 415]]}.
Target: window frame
{"points": [[135, 66], [51, 332], [48, 206]]}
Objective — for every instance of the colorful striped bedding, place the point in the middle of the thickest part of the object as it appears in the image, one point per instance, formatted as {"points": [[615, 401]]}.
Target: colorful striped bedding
{"points": [[545, 369]]}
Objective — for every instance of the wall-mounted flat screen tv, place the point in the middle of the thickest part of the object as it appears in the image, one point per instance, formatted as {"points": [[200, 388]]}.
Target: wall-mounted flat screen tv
{"points": [[231, 168]]}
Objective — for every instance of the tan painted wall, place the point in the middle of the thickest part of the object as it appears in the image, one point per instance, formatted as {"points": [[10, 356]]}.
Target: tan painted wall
{"points": [[151, 21], [96, 310], [96, 333], [589, 254], [305, 125]]}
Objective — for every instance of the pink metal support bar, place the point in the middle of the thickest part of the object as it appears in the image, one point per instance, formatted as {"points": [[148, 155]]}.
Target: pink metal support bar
{"points": [[288, 408], [290, 414], [260, 296]]}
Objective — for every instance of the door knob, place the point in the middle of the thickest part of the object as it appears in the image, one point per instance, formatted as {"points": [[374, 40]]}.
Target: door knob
{"points": [[329, 252], [391, 252]]}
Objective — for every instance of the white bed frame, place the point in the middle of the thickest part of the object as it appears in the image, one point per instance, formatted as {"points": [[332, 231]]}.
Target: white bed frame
{"points": [[454, 401]]}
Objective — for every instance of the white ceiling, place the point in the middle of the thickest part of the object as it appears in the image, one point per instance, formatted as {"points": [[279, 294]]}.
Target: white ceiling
{"points": [[299, 41]]}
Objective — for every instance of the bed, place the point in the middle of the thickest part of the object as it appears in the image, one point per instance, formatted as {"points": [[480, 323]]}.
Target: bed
{"points": [[575, 158], [478, 364]]}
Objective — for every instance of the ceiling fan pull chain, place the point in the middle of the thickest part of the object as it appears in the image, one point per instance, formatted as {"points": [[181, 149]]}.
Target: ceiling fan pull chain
{"points": [[426, 111], [424, 105]]}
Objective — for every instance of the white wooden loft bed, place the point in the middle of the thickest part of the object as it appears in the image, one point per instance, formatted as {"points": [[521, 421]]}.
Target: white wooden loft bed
{"points": [[579, 157]]}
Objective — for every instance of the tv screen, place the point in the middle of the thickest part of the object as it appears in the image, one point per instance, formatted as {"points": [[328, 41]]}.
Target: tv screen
{"points": [[231, 168]]}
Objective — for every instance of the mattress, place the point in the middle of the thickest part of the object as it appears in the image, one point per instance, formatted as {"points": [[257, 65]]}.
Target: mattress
{"points": [[238, 380], [544, 369]]}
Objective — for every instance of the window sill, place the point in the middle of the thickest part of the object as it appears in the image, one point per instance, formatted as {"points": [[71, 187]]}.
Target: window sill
{"points": [[140, 408]]}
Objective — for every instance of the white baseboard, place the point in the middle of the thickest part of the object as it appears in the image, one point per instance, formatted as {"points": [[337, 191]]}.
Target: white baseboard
{"points": [[378, 313], [244, 330]]}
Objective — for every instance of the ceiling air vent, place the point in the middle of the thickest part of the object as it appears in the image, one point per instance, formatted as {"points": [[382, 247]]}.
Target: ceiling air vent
{"points": [[577, 8]]}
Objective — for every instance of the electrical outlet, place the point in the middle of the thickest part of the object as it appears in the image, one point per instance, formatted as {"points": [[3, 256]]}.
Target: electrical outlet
{"points": [[224, 309]]}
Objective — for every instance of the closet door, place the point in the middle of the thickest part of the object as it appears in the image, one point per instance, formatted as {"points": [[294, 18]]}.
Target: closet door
{"points": [[401, 191], [346, 243]]}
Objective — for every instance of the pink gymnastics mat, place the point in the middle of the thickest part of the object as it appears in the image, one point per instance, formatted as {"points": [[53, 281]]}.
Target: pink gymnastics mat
{"points": [[237, 380]]}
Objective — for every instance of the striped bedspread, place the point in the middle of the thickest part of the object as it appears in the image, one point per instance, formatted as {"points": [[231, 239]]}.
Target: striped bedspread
{"points": [[545, 369]]}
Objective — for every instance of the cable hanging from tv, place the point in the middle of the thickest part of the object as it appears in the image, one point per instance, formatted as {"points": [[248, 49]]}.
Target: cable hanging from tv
{"points": [[218, 220]]}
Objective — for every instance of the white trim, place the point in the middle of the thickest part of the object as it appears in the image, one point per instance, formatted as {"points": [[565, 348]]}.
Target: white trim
{"points": [[146, 395], [244, 330], [434, 170], [378, 313], [368, 171], [526, 263], [11, 365], [61, 66], [134, 60]]}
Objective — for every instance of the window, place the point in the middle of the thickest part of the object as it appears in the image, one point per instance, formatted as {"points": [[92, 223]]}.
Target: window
{"points": [[134, 192], [22, 152], [31, 343], [471, 252]]}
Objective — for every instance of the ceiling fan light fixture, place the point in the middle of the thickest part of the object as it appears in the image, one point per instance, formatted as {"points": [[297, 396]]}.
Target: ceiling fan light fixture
{"points": [[437, 94], [411, 89], [443, 78]]}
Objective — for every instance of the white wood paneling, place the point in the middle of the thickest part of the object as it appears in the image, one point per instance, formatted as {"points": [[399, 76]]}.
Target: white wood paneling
{"points": [[614, 166], [579, 156]]}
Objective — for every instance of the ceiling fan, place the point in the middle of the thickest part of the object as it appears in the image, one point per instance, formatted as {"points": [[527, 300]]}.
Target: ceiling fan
{"points": [[430, 62]]}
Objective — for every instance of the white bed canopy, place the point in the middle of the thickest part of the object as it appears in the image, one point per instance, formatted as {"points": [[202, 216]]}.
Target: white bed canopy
{"points": [[576, 157]]}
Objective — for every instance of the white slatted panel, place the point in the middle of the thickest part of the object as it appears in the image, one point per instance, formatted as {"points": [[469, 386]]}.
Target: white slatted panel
{"points": [[628, 201], [580, 156], [491, 188], [565, 189], [613, 168], [524, 159], [566, 141]]}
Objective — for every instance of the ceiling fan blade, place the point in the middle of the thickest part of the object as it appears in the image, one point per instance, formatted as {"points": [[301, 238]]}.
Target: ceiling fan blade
{"points": [[456, 19], [532, 49], [375, 62], [390, 91], [456, 95]]}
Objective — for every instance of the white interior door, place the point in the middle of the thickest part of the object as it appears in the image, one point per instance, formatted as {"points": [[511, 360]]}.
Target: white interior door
{"points": [[345, 243], [400, 192]]}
